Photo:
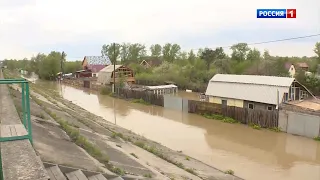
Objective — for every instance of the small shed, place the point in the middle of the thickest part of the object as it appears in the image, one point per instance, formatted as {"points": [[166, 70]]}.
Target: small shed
{"points": [[105, 76], [162, 89]]}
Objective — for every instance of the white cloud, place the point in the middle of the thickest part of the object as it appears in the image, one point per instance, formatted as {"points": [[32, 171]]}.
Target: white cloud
{"points": [[30, 24]]}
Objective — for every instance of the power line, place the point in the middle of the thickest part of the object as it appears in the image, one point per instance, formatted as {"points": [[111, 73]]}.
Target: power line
{"points": [[257, 43], [272, 41]]}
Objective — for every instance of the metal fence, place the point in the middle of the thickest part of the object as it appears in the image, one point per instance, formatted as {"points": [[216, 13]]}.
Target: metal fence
{"points": [[299, 123], [25, 118]]}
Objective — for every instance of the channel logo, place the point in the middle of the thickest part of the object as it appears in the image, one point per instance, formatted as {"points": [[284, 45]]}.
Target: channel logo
{"points": [[276, 13]]}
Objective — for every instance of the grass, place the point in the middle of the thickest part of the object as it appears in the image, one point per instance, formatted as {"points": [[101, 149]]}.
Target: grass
{"points": [[229, 171], [220, 118], [134, 155], [255, 126], [187, 158], [104, 91], [317, 138], [147, 175], [275, 129], [41, 115], [140, 101]]}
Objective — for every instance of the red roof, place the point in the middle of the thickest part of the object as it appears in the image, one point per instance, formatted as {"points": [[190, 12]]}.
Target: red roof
{"points": [[96, 68]]}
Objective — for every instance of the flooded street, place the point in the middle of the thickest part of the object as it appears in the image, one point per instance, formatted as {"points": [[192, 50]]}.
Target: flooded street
{"points": [[251, 154]]}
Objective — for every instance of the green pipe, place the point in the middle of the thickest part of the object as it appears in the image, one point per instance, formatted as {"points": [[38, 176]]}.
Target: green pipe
{"points": [[24, 118], [14, 138], [28, 111], [12, 82]]}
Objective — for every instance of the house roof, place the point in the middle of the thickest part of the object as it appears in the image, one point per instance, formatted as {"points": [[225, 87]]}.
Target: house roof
{"points": [[261, 89], [303, 65], [97, 60], [161, 87]]}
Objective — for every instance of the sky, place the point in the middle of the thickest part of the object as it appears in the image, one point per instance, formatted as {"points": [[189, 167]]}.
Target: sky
{"points": [[81, 27]]}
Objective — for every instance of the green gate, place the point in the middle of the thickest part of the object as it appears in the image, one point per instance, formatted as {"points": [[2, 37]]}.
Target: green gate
{"points": [[25, 113]]}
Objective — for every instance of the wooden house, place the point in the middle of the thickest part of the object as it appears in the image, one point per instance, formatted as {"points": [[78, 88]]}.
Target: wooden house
{"points": [[151, 62], [95, 64], [106, 75]]}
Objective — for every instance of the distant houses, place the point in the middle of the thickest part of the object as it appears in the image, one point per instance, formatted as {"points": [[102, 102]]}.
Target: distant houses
{"points": [[151, 62], [293, 68], [94, 64], [254, 92]]}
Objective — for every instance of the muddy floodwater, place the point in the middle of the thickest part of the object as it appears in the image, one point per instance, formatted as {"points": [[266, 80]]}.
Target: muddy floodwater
{"points": [[251, 154]]}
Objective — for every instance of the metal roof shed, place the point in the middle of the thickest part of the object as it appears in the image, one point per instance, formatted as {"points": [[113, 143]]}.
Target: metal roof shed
{"points": [[261, 89]]}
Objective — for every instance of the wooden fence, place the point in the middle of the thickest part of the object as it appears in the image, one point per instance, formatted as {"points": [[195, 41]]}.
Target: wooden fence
{"points": [[146, 96], [264, 118]]}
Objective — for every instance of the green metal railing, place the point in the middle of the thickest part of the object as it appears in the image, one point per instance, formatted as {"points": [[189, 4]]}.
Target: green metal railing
{"points": [[25, 114], [25, 109]]}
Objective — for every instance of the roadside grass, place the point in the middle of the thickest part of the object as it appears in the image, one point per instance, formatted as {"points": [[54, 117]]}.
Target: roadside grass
{"points": [[229, 171], [317, 138], [134, 155], [140, 101], [255, 126], [220, 118], [275, 129]]}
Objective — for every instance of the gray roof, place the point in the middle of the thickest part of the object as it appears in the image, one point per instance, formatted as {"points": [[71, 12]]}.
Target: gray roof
{"points": [[249, 87], [104, 75], [98, 60]]}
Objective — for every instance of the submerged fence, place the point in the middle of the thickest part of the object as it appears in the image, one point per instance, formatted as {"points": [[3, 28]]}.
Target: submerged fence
{"points": [[264, 118], [146, 96]]}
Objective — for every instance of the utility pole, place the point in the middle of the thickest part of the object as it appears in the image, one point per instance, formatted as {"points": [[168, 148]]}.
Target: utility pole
{"points": [[61, 62], [114, 67]]}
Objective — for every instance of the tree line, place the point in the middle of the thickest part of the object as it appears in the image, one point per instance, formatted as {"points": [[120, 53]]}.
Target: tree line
{"points": [[45, 66], [188, 69]]}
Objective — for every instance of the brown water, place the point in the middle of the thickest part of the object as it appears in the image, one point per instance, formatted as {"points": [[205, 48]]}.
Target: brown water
{"points": [[252, 154]]}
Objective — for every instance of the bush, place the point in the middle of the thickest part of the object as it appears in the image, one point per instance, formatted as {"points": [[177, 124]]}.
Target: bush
{"points": [[105, 90]]}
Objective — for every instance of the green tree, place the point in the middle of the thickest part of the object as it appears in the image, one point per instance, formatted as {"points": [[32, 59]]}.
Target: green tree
{"points": [[208, 55], [254, 55], [170, 52], [191, 57], [124, 52], [50, 66], [317, 50], [137, 52], [155, 50], [239, 51], [112, 51], [266, 55]]}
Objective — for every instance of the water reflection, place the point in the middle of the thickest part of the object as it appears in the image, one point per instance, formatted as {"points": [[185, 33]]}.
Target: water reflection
{"points": [[252, 154]]}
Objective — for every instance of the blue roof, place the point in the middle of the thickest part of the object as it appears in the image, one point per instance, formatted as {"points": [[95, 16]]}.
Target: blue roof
{"points": [[98, 60]]}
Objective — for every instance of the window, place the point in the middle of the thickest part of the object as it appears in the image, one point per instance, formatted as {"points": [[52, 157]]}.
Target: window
{"points": [[250, 106], [270, 108]]}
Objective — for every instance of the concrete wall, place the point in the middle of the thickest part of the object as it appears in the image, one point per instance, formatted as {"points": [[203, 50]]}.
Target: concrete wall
{"points": [[230, 102], [172, 102], [176, 103], [299, 124]]}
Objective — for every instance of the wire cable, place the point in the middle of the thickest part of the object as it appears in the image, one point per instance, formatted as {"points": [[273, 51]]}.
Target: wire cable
{"points": [[255, 43]]}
